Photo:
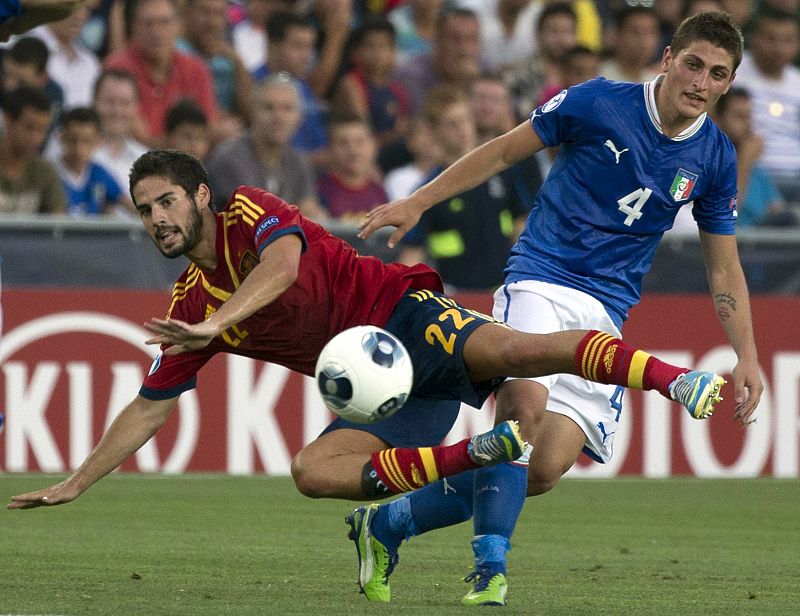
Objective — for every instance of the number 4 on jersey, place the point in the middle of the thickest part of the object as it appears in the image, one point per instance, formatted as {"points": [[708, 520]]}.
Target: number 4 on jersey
{"points": [[640, 195]]}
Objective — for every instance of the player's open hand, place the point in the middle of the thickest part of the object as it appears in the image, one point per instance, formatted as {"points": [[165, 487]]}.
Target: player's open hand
{"points": [[403, 214], [54, 495], [179, 335], [747, 390]]}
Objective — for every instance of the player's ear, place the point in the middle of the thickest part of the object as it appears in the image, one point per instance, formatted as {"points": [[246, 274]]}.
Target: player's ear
{"points": [[203, 196], [665, 58]]}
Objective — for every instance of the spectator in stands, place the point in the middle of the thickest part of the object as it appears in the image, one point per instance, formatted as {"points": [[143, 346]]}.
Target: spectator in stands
{"points": [[415, 24], [368, 88], [205, 35], [25, 64], [556, 33], [90, 188], [759, 202], [348, 188], [116, 100], [28, 183], [580, 64], [163, 74], [491, 107], [508, 32], [291, 41], [263, 156], [426, 154], [70, 64], [494, 116], [469, 236], [187, 129], [454, 59], [773, 82], [635, 42], [250, 35]]}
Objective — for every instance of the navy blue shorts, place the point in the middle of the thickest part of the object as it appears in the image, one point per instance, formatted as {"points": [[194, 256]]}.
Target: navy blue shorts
{"points": [[433, 329], [420, 422], [9, 8]]}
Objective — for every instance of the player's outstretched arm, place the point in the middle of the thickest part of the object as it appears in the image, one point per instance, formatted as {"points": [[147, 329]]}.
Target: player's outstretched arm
{"points": [[35, 13], [467, 172], [134, 426], [276, 272], [732, 302]]}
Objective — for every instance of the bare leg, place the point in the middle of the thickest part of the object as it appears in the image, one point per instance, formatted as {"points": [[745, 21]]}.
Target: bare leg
{"points": [[494, 350], [557, 440], [331, 466]]}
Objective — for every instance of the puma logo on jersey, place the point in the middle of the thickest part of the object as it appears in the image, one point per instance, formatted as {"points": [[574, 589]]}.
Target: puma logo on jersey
{"points": [[617, 153]]}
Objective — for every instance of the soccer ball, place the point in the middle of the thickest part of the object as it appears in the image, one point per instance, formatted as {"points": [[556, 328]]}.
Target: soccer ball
{"points": [[364, 374]]}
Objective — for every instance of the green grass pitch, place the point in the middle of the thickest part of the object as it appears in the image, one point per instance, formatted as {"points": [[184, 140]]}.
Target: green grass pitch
{"points": [[208, 544]]}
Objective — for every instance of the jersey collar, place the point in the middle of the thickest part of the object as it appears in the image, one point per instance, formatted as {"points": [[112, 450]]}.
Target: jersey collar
{"points": [[652, 111]]}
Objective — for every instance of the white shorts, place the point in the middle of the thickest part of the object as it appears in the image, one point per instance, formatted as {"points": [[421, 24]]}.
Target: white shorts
{"points": [[540, 308]]}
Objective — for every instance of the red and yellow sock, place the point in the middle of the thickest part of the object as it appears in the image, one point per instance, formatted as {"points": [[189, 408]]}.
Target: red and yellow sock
{"points": [[406, 469], [604, 358]]}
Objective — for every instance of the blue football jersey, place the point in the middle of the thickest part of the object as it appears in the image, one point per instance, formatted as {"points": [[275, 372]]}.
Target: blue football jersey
{"points": [[615, 188]]}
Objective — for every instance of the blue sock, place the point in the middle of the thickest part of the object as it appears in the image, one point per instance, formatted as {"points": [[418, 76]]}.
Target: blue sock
{"points": [[498, 498], [439, 504]]}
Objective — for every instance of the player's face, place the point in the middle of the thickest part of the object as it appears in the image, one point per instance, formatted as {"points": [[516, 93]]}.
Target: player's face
{"points": [[695, 79], [171, 217]]}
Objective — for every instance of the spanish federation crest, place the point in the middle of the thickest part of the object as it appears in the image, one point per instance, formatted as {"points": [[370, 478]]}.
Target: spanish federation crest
{"points": [[682, 185]]}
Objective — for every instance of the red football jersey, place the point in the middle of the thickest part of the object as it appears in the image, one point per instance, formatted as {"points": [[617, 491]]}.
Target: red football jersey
{"points": [[335, 289]]}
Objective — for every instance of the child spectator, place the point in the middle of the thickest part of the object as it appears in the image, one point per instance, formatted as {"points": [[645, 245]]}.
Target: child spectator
{"points": [[90, 188], [368, 88], [348, 189], [424, 149], [186, 128], [759, 202]]}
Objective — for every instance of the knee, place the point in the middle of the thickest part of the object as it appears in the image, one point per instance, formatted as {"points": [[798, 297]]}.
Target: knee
{"points": [[541, 481], [305, 477]]}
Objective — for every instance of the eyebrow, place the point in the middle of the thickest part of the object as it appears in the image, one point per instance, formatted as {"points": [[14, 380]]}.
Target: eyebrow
{"points": [[699, 60], [160, 197]]}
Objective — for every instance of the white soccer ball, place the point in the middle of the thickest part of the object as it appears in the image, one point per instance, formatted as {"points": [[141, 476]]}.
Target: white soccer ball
{"points": [[364, 374]]}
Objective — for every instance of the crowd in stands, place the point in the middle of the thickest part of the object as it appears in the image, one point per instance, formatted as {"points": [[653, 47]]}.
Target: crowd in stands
{"points": [[340, 105]]}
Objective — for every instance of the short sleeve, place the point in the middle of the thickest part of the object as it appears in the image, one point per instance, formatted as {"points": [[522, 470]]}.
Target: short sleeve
{"points": [[560, 119]]}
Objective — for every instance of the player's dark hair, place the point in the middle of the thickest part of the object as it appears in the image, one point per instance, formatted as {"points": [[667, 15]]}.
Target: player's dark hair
{"points": [[716, 28], [724, 100], [80, 115], [115, 73], [179, 168], [280, 22], [30, 50], [16, 101], [185, 111], [555, 8]]}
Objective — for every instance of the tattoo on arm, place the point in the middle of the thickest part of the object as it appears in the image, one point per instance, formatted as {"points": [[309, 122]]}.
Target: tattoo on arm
{"points": [[725, 303]]}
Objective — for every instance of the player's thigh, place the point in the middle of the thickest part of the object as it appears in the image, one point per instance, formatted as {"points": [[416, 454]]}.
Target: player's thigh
{"points": [[556, 446]]}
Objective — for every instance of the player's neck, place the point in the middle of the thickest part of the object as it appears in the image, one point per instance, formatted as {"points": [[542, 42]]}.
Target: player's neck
{"points": [[204, 255], [672, 122]]}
